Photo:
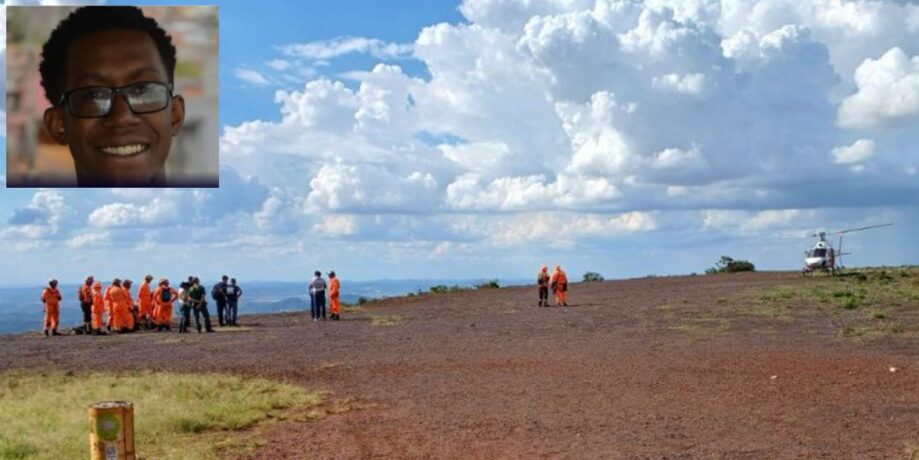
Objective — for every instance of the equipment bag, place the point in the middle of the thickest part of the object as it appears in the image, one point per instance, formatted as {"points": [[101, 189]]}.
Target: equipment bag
{"points": [[165, 295]]}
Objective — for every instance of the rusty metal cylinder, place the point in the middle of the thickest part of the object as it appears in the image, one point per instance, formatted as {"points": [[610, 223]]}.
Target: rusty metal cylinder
{"points": [[111, 431]]}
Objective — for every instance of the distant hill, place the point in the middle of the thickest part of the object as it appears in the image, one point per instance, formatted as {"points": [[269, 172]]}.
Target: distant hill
{"points": [[21, 309]]}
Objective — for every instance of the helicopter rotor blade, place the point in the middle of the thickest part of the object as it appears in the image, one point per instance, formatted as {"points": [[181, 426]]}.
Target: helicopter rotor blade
{"points": [[861, 228]]}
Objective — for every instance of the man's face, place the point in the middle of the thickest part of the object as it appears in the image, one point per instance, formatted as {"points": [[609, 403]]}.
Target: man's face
{"points": [[121, 148]]}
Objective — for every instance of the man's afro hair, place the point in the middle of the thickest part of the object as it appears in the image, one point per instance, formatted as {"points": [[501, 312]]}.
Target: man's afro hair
{"points": [[89, 19]]}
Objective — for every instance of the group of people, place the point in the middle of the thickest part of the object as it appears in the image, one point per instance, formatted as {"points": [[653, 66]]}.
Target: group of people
{"points": [[153, 307], [557, 282], [317, 290], [115, 310]]}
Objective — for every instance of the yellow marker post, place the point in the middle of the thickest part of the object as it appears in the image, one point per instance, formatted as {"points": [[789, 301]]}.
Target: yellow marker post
{"points": [[111, 431]]}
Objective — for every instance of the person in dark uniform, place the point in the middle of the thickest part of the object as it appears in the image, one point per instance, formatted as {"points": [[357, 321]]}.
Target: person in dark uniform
{"points": [[233, 294], [197, 299], [219, 294], [317, 294], [85, 294], [542, 279]]}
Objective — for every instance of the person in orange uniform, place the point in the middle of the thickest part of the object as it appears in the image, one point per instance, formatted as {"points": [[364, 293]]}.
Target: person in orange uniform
{"points": [[51, 297], [163, 297], [145, 302], [542, 280], [118, 306], [559, 283], [110, 304], [334, 295], [98, 308], [109, 308], [131, 317]]}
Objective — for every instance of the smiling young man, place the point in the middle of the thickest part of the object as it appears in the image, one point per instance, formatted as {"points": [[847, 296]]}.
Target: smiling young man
{"points": [[109, 73]]}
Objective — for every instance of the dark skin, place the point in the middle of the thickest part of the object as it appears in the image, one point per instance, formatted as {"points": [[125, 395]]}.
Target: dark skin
{"points": [[116, 58]]}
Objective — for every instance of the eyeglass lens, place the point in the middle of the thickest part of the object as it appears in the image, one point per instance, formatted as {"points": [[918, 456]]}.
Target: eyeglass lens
{"points": [[97, 101]]}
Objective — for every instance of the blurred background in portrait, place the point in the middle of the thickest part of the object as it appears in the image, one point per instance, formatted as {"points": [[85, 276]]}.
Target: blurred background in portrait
{"points": [[34, 159]]}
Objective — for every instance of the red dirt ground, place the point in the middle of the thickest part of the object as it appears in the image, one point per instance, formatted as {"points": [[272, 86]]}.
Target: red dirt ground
{"points": [[633, 369]]}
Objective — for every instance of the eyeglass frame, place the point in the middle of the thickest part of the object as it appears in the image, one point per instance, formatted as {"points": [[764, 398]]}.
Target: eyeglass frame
{"points": [[115, 90]]}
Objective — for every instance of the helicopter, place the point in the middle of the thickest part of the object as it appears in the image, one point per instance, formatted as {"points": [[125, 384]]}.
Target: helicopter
{"points": [[823, 256]]}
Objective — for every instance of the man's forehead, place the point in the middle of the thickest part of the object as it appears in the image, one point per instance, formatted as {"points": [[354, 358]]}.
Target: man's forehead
{"points": [[113, 56]]}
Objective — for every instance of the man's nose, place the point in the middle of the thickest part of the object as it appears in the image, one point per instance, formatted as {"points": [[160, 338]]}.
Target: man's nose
{"points": [[121, 113]]}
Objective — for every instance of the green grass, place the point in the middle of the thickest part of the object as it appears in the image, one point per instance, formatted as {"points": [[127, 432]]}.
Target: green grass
{"points": [[869, 302], [176, 416]]}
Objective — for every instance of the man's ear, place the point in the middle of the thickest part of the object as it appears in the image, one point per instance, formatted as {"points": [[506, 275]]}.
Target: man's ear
{"points": [[54, 123], [178, 114]]}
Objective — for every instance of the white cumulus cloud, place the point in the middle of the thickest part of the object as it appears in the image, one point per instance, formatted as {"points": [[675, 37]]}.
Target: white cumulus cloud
{"points": [[858, 152], [888, 92]]}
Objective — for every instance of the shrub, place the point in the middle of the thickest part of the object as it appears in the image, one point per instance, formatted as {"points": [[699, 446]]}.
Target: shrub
{"points": [[592, 276], [729, 265], [362, 300], [439, 289], [490, 284]]}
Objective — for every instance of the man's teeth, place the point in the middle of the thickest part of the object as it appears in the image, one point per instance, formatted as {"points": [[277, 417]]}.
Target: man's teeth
{"points": [[124, 149]]}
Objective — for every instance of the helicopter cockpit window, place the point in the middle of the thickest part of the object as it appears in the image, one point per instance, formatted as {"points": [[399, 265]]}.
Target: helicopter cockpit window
{"points": [[820, 252]]}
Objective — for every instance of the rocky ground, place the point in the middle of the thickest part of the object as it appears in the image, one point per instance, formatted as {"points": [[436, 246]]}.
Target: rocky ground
{"points": [[671, 367]]}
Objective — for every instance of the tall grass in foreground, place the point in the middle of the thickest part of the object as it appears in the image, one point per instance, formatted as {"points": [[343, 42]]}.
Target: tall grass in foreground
{"points": [[43, 415]]}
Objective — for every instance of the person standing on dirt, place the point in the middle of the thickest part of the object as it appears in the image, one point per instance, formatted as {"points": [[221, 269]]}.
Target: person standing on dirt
{"points": [[98, 308], [559, 283], [317, 296], [130, 317], [113, 294], [197, 299], [219, 294], [184, 307], [542, 280], [118, 307], [51, 298], [163, 298], [233, 294], [334, 294], [145, 302], [85, 294]]}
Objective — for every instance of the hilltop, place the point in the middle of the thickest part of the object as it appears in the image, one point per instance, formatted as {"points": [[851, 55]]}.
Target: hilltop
{"points": [[749, 365]]}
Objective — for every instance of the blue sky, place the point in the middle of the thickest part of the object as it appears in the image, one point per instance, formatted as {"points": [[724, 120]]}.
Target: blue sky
{"points": [[483, 138]]}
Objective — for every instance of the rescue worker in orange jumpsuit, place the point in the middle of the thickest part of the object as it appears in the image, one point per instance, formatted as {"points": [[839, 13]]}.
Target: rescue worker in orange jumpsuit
{"points": [[559, 283], [334, 295], [131, 318], [98, 308], [85, 294], [109, 308], [145, 302], [110, 303], [163, 298], [51, 297], [118, 306]]}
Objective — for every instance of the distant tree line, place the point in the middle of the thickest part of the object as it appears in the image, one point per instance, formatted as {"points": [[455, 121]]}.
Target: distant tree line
{"points": [[729, 265]]}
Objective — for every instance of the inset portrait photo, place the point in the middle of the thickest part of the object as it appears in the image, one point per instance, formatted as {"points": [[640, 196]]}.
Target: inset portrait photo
{"points": [[112, 96]]}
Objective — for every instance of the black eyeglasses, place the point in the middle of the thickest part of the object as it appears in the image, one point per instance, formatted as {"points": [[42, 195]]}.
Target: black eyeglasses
{"points": [[97, 101]]}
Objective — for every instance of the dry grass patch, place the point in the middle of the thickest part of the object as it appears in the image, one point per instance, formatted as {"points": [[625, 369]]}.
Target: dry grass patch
{"points": [[386, 320], [176, 416]]}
